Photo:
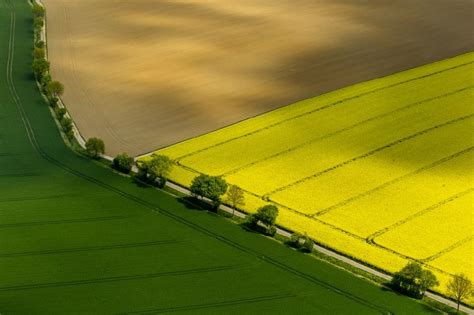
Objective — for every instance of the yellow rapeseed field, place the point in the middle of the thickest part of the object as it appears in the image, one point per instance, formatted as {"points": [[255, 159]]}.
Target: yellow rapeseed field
{"points": [[380, 171]]}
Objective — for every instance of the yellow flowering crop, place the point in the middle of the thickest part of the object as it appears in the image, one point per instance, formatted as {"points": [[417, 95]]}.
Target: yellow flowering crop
{"points": [[380, 171]]}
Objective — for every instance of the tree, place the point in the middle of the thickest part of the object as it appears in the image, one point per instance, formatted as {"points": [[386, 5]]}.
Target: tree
{"points": [[427, 281], [413, 280], [211, 187], [60, 112], [308, 244], [38, 23], [40, 67], [55, 88], [460, 288], [267, 215], [38, 10], [39, 44], [123, 163], [95, 147], [159, 167], [235, 197], [38, 53]]}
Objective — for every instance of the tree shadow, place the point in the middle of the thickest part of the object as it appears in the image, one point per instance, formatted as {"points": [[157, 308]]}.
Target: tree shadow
{"points": [[195, 204]]}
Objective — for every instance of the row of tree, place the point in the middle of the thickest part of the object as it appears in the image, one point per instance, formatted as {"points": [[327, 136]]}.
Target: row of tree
{"points": [[40, 66]]}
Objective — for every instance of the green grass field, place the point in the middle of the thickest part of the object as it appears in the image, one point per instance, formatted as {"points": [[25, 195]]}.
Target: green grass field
{"points": [[77, 238]]}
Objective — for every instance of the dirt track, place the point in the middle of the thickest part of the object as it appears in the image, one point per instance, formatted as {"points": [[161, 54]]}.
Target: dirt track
{"points": [[145, 74]]}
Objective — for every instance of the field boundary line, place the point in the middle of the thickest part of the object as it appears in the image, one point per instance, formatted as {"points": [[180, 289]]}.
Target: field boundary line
{"points": [[19, 199], [448, 249], [122, 278], [53, 222], [214, 305], [89, 248], [342, 130], [369, 153], [314, 110], [373, 236], [391, 182]]}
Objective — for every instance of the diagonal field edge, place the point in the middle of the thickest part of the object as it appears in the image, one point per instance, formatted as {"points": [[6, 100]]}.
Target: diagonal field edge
{"points": [[322, 108]]}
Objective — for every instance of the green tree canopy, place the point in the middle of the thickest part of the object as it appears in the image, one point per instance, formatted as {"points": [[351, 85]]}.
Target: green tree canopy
{"points": [[460, 288], [55, 88], [235, 197], [160, 167], [95, 147], [414, 280], [40, 67], [38, 10], [156, 170], [123, 162], [211, 187], [38, 53], [267, 215]]}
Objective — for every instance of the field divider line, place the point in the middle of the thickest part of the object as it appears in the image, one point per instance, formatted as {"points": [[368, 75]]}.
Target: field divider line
{"points": [[448, 249], [370, 153], [69, 221], [391, 182], [31, 174], [16, 199], [123, 278], [193, 307], [319, 109], [88, 249], [371, 238], [348, 128]]}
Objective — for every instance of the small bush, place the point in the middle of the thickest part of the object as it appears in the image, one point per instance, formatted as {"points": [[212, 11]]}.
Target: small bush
{"points": [[307, 245], [38, 23], [66, 123], [40, 44], [53, 102], [38, 53], [123, 163], [295, 240], [95, 147], [70, 134], [38, 10], [60, 112], [271, 231]]}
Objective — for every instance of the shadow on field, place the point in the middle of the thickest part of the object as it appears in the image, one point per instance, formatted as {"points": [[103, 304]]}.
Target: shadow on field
{"points": [[193, 203]]}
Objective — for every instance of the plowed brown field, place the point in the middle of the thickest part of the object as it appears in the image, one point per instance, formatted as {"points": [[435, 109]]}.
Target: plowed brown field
{"points": [[145, 74]]}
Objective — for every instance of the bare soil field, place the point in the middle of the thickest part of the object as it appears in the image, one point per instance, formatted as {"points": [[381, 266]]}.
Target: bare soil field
{"points": [[145, 74]]}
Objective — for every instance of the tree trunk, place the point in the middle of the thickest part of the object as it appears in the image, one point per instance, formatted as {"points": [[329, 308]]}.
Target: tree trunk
{"points": [[457, 309]]}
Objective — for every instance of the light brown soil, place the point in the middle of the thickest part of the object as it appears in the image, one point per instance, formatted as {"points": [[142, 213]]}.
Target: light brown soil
{"points": [[144, 74]]}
